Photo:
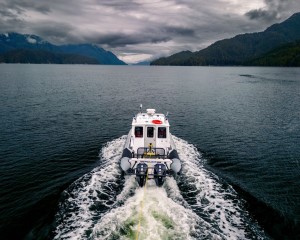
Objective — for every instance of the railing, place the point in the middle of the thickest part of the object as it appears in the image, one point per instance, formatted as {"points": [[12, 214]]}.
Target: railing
{"points": [[143, 152]]}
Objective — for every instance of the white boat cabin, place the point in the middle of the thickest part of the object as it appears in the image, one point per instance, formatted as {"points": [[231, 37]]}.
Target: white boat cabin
{"points": [[150, 130]]}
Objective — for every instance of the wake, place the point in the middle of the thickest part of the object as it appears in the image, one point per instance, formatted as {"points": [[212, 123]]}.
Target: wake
{"points": [[104, 205]]}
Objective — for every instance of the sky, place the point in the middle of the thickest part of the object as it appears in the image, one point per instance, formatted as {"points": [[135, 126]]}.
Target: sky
{"points": [[142, 30]]}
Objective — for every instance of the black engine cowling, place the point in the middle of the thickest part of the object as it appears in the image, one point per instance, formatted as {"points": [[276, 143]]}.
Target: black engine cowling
{"points": [[141, 173], [160, 172]]}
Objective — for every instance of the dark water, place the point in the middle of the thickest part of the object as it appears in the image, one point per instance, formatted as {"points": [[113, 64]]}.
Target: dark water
{"points": [[237, 131]]}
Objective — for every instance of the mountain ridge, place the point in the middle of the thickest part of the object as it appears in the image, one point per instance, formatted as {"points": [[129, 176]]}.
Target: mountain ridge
{"points": [[239, 49], [284, 55], [37, 56], [18, 44]]}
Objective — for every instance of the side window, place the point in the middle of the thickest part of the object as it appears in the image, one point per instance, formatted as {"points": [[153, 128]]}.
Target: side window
{"points": [[150, 132], [138, 132], [162, 132]]}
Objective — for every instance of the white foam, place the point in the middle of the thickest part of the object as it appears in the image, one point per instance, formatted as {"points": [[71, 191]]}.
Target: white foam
{"points": [[218, 204], [76, 216], [215, 212], [160, 218]]}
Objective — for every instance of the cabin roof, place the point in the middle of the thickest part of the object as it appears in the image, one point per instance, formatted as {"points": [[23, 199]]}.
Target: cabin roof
{"points": [[147, 119]]}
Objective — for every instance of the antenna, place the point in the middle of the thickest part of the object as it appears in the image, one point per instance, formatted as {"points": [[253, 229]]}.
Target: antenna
{"points": [[167, 114], [141, 105]]}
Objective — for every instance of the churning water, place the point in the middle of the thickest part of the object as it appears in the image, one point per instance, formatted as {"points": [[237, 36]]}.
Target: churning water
{"points": [[100, 205], [63, 129]]}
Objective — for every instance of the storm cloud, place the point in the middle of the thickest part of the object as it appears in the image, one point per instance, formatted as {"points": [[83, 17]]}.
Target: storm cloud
{"points": [[137, 30], [273, 10]]}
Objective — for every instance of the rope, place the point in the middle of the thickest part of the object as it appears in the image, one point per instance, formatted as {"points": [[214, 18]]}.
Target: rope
{"points": [[141, 209]]}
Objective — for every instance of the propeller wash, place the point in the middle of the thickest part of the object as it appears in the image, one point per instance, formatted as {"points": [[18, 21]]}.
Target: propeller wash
{"points": [[106, 204]]}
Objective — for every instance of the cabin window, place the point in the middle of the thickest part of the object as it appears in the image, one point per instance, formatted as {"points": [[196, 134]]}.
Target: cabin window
{"points": [[162, 132], [150, 132], [138, 132]]}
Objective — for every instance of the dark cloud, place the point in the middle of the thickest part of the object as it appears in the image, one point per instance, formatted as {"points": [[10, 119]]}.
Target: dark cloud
{"points": [[11, 25], [147, 35], [20, 6], [122, 40], [261, 14], [10, 18], [7, 13], [179, 31], [119, 5], [274, 10], [56, 32]]}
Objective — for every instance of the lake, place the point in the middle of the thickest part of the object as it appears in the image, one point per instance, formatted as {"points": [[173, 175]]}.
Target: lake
{"points": [[237, 131]]}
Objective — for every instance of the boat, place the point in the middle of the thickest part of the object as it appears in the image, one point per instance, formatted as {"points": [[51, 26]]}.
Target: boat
{"points": [[149, 151]]}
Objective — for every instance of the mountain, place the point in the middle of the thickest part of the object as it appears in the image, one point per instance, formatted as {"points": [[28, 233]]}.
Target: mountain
{"points": [[239, 49], [33, 49], [101, 55], [42, 56], [13, 41], [176, 59], [286, 55]]}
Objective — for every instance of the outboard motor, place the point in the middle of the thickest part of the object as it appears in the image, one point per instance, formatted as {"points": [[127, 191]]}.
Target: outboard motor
{"points": [[141, 173], [160, 173]]}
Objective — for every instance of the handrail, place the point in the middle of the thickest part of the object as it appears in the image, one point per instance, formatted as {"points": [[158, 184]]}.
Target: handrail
{"points": [[144, 152]]}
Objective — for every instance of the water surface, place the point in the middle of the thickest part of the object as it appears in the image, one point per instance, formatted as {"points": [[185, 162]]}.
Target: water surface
{"points": [[62, 129]]}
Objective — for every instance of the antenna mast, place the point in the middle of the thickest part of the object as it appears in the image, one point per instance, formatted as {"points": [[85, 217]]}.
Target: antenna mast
{"points": [[141, 105]]}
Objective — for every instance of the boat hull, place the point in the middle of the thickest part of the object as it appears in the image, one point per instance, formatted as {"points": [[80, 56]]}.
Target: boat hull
{"points": [[158, 167]]}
